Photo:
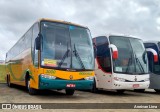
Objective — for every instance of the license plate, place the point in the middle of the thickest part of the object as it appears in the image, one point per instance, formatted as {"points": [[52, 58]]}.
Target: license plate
{"points": [[71, 85], [135, 85]]}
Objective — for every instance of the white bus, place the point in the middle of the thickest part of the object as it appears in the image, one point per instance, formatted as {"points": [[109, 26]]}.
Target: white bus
{"points": [[121, 63], [154, 67]]}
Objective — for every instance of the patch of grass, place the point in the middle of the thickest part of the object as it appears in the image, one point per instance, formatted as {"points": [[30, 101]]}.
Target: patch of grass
{"points": [[2, 73]]}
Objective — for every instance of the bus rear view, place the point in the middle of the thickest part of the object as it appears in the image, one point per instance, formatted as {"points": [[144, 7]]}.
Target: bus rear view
{"points": [[121, 63]]}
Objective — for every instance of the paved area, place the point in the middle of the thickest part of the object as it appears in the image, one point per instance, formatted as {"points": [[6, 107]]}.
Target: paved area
{"points": [[19, 94]]}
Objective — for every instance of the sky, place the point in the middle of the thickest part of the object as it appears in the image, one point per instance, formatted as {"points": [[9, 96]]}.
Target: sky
{"points": [[139, 18]]}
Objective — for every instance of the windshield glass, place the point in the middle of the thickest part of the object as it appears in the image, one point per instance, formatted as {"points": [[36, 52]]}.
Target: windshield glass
{"points": [[140, 55], [59, 43], [55, 44], [132, 58], [82, 55]]}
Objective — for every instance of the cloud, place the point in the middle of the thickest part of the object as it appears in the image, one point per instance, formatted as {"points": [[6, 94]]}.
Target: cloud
{"points": [[140, 18]]}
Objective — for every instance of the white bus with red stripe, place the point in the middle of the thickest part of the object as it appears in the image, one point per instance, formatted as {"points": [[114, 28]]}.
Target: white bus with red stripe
{"points": [[154, 67], [121, 63]]}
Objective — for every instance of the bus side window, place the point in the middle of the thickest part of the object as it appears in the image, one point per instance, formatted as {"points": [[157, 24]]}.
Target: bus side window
{"points": [[34, 51], [103, 54]]}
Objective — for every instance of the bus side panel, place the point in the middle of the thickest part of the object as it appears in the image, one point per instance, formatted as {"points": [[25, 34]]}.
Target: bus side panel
{"points": [[14, 69], [103, 79], [18, 67], [26, 65], [35, 72], [154, 81], [34, 81]]}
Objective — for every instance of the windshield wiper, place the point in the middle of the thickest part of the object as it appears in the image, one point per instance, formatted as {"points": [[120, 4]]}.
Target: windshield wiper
{"points": [[77, 56], [64, 57], [140, 65], [129, 63]]}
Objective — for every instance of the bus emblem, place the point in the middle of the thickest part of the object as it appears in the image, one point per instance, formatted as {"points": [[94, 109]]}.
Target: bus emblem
{"points": [[135, 78], [71, 77]]}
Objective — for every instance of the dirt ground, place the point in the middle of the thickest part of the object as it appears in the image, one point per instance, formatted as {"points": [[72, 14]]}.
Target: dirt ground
{"points": [[19, 94]]}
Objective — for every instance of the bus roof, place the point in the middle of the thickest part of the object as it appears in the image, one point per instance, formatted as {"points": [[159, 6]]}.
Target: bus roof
{"points": [[51, 20], [153, 41], [120, 35], [60, 21]]}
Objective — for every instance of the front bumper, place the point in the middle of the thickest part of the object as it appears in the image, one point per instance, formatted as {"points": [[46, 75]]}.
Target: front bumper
{"points": [[45, 83], [130, 85]]}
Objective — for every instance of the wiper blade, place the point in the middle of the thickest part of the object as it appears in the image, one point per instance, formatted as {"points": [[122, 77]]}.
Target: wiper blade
{"points": [[77, 56], [63, 58], [140, 65], [129, 63]]}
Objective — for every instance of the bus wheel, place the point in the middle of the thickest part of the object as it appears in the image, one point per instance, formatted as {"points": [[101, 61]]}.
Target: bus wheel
{"points": [[94, 89], [30, 90], [70, 91], [9, 82], [120, 91], [157, 90], [139, 90]]}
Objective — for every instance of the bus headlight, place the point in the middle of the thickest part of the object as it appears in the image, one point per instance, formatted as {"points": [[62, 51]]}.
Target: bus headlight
{"points": [[48, 76], [147, 79], [89, 78], [119, 79]]}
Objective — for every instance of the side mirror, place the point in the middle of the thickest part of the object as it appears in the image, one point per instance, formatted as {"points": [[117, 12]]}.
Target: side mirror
{"points": [[154, 54], [114, 51], [38, 42], [94, 47], [95, 50]]}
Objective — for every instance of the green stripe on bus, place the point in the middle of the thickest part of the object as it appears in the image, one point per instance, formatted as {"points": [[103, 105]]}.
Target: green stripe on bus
{"points": [[22, 76]]}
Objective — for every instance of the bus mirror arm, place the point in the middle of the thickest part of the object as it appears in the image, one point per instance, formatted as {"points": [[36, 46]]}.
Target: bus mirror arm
{"points": [[114, 51], [38, 42], [154, 54], [95, 50]]}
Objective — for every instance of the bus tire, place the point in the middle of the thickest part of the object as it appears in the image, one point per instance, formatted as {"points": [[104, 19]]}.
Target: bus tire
{"points": [[139, 90], [157, 90], [94, 88], [31, 91], [9, 84], [120, 91], [70, 91]]}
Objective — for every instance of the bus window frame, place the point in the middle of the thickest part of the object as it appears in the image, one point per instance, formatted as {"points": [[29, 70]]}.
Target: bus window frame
{"points": [[34, 48]]}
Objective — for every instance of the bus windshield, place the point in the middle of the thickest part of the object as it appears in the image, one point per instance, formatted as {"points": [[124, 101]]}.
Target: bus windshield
{"points": [[132, 58], [66, 47]]}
